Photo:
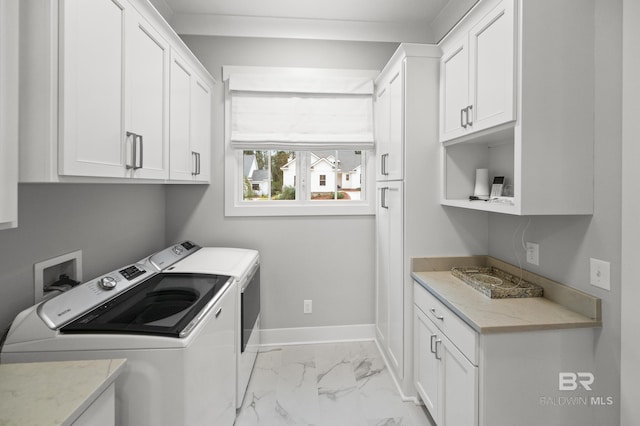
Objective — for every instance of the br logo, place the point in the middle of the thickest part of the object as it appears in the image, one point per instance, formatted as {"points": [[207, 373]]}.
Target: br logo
{"points": [[568, 381]]}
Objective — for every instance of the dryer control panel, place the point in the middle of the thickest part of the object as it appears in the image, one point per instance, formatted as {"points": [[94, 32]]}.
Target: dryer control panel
{"points": [[71, 304], [169, 256]]}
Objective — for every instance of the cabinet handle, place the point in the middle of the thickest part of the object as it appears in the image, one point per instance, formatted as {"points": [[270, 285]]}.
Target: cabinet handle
{"points": [[433, 336], [141, 139], [134, 151], [433, 311], [383, 198], [218, 312], [437, 353], [195, 166], [198, 163], [462, 121], [383, 164], [469, 110]]}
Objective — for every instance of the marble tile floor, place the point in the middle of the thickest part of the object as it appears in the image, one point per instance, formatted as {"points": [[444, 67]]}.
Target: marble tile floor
{"points": [[333, 384]]}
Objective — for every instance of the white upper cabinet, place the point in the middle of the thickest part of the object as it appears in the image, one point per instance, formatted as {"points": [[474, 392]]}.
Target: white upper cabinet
{"points": [[92, 88], [528, 84], [96, 103], [477, 75], [454, 93], [9, 77], [389, 124], [181, 162], [190, 123], [201, 129], [147, 127]]}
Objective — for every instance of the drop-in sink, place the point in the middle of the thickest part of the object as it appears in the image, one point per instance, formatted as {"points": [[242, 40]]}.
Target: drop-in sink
{"points": [[497, 284]]}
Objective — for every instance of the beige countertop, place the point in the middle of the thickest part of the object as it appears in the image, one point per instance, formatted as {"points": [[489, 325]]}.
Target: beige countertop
{"points": [[52, 393], [567, 308]]}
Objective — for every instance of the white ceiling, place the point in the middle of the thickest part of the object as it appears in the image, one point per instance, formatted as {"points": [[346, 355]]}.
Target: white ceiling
{"points": [[423, 21]]}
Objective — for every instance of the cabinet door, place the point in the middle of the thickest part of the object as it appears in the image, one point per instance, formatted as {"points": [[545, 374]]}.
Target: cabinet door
{"points": [[201, 130], [92, 88], [395, 159], [147, 100], [382, 130], [9, 10], [460, 387], [181, 163], [492, 83], [454, 89], [394, 201], [426, 365], [382, 263]]}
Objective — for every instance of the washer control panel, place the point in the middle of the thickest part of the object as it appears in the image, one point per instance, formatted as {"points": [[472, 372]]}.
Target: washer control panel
{"points": [[71, 304], [169, 256]]}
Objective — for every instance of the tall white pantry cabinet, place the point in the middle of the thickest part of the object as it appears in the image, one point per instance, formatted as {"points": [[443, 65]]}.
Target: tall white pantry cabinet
{"points": [[406, 126]]}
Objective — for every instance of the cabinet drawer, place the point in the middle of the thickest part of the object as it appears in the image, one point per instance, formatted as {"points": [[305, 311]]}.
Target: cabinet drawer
{"points": [[456, 330]]}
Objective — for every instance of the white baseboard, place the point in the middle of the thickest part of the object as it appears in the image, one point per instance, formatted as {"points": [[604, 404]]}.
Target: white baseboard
{"points": [[308, 335]]}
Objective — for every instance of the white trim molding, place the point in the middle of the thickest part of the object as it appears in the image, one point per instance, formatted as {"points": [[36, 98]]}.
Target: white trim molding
{"points": [[295, 28], [309, 335]]}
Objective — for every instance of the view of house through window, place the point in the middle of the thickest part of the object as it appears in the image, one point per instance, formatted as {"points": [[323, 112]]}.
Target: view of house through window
{"points": [[329, 175]]}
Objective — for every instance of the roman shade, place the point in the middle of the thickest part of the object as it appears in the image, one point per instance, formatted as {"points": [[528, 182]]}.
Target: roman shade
{"points": [[300, 109]]}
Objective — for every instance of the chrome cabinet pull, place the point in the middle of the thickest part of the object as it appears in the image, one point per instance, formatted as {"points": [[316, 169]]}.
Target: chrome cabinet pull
{"points": [[433, 311], [469, 110], [133, 151], [462, 122], [437, 353], [194, 165], [433, 336], [141, 139], [383, 197], [198, 170], [383, 164], [218, 312], [136, 139]]}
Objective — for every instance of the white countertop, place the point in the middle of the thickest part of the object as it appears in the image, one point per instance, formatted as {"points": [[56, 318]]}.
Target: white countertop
{"points": [[52, 393]]}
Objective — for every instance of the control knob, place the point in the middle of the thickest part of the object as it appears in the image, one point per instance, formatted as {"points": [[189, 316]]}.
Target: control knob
{"points": [[107, 283], [178, 250]]}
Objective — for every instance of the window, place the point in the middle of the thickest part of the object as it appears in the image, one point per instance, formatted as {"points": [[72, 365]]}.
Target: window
{"points": [[281, 159]]}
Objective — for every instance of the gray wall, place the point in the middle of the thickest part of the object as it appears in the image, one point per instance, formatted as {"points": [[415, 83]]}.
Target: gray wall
{"points": [[327, 259], [567, 243], [113, 225], [630, 368]]}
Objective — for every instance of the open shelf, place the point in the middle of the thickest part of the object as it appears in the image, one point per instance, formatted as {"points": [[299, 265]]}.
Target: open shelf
{"points": [[460, 162]]}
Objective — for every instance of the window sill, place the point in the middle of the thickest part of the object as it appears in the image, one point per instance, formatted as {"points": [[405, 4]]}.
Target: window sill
{"points": [[316, 208]]}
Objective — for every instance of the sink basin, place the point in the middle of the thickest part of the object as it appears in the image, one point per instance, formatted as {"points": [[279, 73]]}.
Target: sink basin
{"points": [[497, 284]]}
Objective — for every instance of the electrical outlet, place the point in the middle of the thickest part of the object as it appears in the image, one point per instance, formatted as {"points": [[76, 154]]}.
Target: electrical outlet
{"points": [[533, 253], [600, 273], [308, 306]]}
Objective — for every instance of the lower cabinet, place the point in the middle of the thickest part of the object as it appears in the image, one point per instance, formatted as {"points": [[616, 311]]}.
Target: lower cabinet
{"points": [[445, 379], [511, 377]]}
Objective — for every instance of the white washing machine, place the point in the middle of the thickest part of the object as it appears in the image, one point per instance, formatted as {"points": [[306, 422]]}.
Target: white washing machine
{"points": [[177, 328]]}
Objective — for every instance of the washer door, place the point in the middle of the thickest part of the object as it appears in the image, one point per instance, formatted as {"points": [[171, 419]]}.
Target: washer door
{"points": [[162, 305]]}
